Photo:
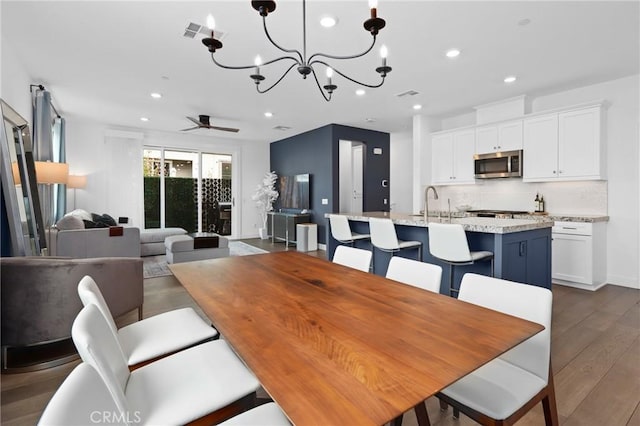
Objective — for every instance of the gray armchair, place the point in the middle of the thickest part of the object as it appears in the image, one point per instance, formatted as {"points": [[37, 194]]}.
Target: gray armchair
{"points": [[39, 301]]}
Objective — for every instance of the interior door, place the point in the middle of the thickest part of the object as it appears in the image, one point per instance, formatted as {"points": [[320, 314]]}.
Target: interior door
{"points": [[357, 169]]}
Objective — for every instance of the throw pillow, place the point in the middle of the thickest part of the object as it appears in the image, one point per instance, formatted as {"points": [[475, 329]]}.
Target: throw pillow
{"points": [[69, 222], [110, 220], [81, 214], [101, 221], [88, 224]]}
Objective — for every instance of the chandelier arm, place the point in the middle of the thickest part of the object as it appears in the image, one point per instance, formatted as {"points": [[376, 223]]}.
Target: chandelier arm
{"points": [[372, 86], [246, 67], [325, 55], [315, 77], [266, 32], [278, 81]]}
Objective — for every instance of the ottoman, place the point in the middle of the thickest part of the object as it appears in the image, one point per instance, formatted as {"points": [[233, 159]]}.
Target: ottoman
{"points": [[183, 248], [152, 240]]}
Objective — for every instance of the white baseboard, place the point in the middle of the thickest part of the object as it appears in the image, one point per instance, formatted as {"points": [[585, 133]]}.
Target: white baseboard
{"points": [[623, 281], [578, 285]]}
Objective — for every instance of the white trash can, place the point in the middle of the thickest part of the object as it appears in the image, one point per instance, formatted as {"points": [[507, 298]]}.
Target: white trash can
{"points": [[307, 237]]}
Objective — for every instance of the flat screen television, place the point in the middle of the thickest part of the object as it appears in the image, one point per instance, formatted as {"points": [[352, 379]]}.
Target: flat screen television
{"points": [[294, 192]]}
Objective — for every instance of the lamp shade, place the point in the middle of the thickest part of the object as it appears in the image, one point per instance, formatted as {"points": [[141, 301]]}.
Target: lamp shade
{"points": [[49, 172], [76, 182]]}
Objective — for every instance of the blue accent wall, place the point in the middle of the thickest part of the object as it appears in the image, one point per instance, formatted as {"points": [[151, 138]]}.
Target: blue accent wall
{"points": [[317, 152]]}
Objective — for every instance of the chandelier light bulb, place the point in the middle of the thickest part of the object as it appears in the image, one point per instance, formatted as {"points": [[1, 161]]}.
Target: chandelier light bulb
{"points": [[329, 72], [373, 4], [211, 23], [257, 61], [383, 54]]}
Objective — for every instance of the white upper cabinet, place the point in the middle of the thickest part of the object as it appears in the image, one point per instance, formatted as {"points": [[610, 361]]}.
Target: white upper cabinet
{"points": [[563, 146], [540, 155], [452, 157], [579, 147], [505, 136]]}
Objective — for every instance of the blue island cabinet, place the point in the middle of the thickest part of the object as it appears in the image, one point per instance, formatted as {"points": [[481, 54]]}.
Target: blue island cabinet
{"points": [[521, 256]]}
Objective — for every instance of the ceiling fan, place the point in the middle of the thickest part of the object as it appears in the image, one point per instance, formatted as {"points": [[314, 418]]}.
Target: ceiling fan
{"points": [[203, 122]]}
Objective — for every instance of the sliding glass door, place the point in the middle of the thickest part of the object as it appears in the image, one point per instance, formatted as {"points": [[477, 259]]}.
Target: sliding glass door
{"points": [[187, 189]]}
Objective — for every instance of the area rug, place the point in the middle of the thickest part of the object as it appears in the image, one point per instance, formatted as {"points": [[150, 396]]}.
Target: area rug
{"points": [[156, 266]]}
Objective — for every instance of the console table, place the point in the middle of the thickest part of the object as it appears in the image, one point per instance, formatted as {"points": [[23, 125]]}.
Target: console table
{"points": [[282, 226]]}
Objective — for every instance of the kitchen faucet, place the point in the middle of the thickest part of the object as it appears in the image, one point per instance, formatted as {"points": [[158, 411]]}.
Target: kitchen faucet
{"points": [[426, 201]]}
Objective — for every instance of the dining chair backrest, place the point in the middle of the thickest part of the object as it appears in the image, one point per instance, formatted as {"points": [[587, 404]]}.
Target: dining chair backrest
{"points": [[448, 241], [383, 234], [340, 229], [97, 346], [520, 300], [418, 274], [352, 257], [83, 398], [90, 294]]}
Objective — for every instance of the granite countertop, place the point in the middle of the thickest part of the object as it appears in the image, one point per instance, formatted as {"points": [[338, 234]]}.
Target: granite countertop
{"points": [[566, 217], [471, 224]]}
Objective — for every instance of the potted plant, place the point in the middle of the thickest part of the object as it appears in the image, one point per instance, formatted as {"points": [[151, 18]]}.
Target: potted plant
{"points": [[264, 197]]}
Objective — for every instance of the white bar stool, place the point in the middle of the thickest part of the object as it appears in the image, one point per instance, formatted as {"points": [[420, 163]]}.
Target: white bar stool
{"points": [[341, 231], [448, 242], [384, 237]]}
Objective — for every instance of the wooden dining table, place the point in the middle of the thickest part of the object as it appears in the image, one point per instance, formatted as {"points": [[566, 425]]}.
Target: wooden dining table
{"points": [[336, 346]]}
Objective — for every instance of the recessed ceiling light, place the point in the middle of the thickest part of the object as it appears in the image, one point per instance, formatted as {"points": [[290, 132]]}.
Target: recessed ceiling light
{"points": [[417, 106], [510, 79], [328, 21], [144, 119], [268, 114], [452, 53], [156, 95], [360, 92], [523, 22]]}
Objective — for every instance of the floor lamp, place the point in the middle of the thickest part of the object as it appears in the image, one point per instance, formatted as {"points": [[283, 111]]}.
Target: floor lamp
{"points": [[49, 173], [76, 182]]}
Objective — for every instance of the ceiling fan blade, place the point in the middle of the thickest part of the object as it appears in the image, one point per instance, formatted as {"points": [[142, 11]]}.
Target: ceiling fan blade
{"points": [[225, 129], [190, 128], [196, 122]]}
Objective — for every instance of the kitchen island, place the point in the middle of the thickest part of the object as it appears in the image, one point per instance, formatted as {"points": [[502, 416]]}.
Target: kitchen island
{"points": [[521, 247]]}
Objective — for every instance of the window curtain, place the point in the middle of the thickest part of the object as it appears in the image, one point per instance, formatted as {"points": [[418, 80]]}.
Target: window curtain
{"points": [[49, 145]]}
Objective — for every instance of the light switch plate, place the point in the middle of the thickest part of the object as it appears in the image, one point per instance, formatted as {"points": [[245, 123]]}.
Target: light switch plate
{"points": [[325, 201]]}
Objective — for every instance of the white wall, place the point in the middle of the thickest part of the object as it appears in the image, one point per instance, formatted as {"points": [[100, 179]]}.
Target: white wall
{"points": [[14, 82], [401, 157], [617, 197]]}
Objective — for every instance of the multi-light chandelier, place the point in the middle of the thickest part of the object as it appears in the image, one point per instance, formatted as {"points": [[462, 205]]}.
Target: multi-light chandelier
{"points": [[305, 64]]}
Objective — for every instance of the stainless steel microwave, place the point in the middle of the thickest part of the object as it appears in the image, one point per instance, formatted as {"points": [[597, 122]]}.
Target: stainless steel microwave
{"points": [[498, 165]]}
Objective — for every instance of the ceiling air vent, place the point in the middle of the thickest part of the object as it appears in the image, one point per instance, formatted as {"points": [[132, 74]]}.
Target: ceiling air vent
{"points": [[408, 93], [282, 128], [192, 29]]}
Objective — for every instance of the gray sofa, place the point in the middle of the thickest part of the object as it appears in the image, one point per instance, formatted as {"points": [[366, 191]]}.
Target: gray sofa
{"points": [[95, 242], [39, 301]]}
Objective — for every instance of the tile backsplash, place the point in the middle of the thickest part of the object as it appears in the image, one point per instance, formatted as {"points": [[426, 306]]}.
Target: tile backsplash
{"points": [[580, 197]]}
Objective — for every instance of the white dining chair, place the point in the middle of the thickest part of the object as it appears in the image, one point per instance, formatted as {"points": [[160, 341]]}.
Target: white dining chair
{"points": [[352, 257], [152, 337], [503, 390], [418, 274], [341, 230], [448, 243], [384, 237], [83, 399], [206, 383]]}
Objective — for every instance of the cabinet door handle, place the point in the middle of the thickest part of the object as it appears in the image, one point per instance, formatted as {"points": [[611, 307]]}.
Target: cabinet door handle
{"points": [[523, 248], [554, 172], [569, 227]]}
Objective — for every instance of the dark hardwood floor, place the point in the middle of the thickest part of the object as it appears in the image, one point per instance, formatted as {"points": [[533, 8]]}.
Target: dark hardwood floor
{"points": [[595, 357]]}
